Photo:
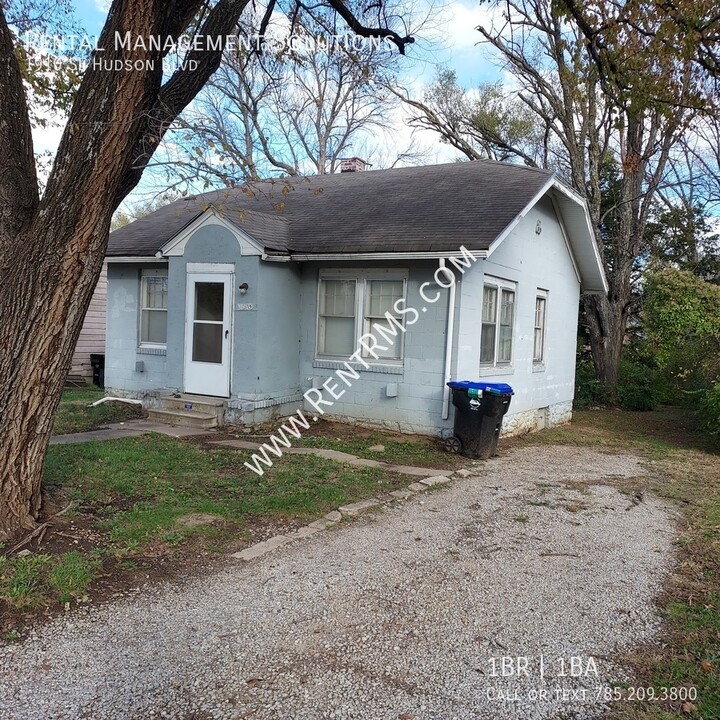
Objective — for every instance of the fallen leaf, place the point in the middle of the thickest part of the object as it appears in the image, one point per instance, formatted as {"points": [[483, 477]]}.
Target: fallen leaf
{"points": [[706, 665], [688, 707]]}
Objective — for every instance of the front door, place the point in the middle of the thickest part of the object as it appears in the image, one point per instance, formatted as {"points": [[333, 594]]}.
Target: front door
{"points": [[208, 333]]}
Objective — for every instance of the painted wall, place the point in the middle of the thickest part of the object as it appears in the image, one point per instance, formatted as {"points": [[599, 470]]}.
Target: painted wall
{"points": [[532, 261], [265, 323], [417, 382], [122, 351], [277, 331]]}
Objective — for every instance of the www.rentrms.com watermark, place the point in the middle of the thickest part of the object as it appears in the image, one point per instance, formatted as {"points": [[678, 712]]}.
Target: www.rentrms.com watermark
{"points": [[85, 52], [369, 345]]}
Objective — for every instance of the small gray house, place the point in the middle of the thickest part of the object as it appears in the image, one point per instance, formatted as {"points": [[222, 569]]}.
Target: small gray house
{"points": [[256, 301]]}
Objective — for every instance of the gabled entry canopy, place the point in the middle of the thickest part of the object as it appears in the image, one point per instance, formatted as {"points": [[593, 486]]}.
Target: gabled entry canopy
{"points": [[175, 247], [403, 213]]}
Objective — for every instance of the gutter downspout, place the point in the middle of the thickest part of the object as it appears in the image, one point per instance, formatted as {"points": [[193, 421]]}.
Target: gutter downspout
{"points": [[450, 328], [115, 399]]}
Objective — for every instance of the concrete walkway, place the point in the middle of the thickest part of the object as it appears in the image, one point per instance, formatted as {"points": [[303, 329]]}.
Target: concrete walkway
{"points": [[135, 428], [339, 456], [131, 428]]}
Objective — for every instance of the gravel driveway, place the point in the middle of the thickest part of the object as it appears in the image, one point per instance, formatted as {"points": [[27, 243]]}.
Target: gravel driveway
{"points": [[396, 615]]}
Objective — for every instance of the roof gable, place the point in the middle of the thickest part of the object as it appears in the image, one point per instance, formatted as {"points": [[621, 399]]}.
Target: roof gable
{"points": [[175, 247], [577, 233]]}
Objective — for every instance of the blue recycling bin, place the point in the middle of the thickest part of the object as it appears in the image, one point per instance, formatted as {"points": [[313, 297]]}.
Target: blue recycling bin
{"points": [[479, 411]]}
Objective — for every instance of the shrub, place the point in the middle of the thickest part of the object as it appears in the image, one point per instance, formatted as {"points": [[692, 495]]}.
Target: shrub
{"points": [[588, 389], [681, 317], [640, 387], [709, 409]]}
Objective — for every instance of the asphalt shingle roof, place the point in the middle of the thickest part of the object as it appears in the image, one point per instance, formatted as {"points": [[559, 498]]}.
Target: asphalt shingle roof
{"points": [[433, 208]]}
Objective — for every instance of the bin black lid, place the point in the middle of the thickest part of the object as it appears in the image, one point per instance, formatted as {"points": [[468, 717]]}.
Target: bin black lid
{"points": [[492, 388]]}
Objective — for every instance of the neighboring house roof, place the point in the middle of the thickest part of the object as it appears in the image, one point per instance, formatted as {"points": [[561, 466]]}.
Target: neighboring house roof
{"points": [[428, 209]]}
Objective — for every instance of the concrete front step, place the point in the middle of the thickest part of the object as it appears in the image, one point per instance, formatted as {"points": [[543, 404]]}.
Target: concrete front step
{"points": [[197, 403], [185, 418]]}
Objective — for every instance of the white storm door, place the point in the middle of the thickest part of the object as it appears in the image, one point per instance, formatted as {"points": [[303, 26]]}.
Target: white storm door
{"points": [[208, 333]]}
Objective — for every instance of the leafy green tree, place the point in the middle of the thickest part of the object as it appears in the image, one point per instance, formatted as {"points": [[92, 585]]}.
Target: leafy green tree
{"points": [[681, 316], [684, 237]]}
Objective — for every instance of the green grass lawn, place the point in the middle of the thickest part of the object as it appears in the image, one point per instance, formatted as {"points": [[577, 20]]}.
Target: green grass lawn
{"points": [[155, 494], [684, 468], [74, 415], [141, 486], [416, 450]]}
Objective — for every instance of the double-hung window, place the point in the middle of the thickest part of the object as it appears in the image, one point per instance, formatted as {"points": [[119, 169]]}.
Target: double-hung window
{"points": [[498, 322], [539, 332], [380, 299], [352, 305], [336, 317], [153, 307]]}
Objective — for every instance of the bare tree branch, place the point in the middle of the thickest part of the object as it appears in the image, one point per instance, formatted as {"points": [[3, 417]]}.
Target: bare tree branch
{"points": [[363, 31]]}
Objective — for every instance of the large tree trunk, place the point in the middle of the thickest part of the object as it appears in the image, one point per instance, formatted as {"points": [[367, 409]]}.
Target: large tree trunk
{"points": [[44, 327], [607, 316], [606, 327]]}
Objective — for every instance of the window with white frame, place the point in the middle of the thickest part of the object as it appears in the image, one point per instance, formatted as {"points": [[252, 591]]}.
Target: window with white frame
{"points": [[153, 307], [539, 334], [349, 306], [498, 322], [336, 317], [380, 299]]}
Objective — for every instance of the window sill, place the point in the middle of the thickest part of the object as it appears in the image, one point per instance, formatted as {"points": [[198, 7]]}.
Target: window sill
{"points": [[538, 367], [151, 350], [490, 370], [359, 367]]}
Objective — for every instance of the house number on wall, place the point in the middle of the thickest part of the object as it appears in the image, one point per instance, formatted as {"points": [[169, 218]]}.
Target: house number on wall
{"points": [[246, 306]]}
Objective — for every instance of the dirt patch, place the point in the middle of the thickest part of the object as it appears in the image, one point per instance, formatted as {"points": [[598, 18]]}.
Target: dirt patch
{"points": [[132, 574], [364, 442], [342, 431], [73, 530], [194, 520], [326, 428]]}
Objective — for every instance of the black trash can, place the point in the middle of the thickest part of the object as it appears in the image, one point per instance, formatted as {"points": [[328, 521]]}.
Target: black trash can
{"points": [[479, 411], [97, 361]]}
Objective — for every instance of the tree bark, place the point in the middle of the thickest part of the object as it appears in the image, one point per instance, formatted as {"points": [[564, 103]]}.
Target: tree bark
{"points": [[52, 255], [44, 330], [606, 322]]}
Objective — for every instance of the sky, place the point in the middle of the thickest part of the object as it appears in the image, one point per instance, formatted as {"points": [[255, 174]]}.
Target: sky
{"points": [[449, 40]]}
